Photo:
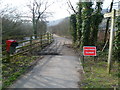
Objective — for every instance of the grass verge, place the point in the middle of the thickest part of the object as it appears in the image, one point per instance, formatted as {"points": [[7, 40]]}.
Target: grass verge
{"points": [[15, 68], [96, 75]]}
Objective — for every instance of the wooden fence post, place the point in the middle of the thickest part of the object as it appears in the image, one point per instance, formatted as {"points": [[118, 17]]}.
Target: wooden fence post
{"points": [[31, 43], [48, 37], [51, 37], [41, 41], [83, 60], [8, 57], [30, 40]]}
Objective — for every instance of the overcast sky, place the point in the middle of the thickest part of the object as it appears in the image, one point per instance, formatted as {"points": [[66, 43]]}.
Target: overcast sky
{"points": [[59, 8]]}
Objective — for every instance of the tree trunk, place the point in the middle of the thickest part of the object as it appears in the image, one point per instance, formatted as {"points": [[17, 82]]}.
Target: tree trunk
{"points": [[79, 23], [34, 23], [86, 20]]}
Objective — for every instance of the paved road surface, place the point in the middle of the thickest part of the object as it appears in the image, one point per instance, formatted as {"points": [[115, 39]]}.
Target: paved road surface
{"points": [[60, 70]]}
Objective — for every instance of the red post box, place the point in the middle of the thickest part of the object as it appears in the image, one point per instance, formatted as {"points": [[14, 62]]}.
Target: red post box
{"points": [[8, 44]]}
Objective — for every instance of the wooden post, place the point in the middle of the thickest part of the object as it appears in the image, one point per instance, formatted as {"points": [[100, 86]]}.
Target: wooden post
{"points": [[48, 37], [111, 41], [95, 58], [112, 15], [52, 37], [8, 57], [41, 41], [31, 43], [30, 40], [83, 60]]}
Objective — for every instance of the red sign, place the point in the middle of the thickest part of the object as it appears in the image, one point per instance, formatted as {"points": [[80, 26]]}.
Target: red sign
{"points": [[89, 51]]}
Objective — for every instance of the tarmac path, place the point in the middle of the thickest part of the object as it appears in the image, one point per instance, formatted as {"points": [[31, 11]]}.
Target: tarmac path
{"points": [[59, 68]]}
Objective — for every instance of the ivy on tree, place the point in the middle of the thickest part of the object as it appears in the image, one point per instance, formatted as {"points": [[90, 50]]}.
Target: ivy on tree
{"points": [[96, 20], [86, 18], [79, 23], [73, 27], [117, 41]]}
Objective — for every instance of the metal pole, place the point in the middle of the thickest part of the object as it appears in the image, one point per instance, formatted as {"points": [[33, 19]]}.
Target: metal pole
{"points": [[111, 41]]}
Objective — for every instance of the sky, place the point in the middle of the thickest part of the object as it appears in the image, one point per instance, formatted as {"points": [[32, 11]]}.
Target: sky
{"points": [[58, 8]]}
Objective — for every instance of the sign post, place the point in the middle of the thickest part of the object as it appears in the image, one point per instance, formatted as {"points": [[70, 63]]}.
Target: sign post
{"points": [[89, 51], [112, 15]]}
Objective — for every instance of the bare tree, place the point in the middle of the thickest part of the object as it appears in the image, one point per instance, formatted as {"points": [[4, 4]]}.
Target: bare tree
{"points": [[71, 7], [10, 12], [39, 12], [6, 10]]}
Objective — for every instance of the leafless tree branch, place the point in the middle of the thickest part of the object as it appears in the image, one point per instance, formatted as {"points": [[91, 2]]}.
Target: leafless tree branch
{"points": [[71, 6]]}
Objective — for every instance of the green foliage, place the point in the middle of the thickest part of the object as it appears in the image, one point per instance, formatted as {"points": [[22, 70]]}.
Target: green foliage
{"points": [[18, 65], [86, 18], [96, 75], [79, 22], [73, 27], [10, 27], [96, 20], [117, 41], [87, 23]]}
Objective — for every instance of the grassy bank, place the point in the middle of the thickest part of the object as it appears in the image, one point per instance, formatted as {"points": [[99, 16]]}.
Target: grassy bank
{"points": [[96, 75], [15, 68]]}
